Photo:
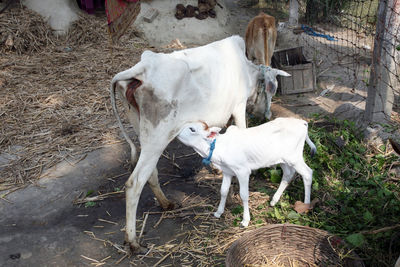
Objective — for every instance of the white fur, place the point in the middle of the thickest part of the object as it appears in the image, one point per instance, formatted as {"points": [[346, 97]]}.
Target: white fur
{"points": [[239, 151]]}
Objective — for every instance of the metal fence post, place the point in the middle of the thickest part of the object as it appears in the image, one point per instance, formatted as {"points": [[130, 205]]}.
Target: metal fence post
{"points": [[294, 13], [383, 79]]}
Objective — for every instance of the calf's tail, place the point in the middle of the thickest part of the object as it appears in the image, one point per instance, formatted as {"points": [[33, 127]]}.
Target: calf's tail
{"points": [[312, 146]]}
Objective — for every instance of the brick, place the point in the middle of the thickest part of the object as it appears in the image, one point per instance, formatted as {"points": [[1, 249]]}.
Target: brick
{"points": [[150, 15]]}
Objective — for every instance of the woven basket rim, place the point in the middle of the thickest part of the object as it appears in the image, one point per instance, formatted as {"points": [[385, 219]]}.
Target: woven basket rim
{"points": [[252, 244]]}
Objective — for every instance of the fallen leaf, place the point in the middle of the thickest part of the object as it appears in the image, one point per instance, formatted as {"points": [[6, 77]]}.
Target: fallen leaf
{"points": [[300, 207], [175, 44], [9, 41]]}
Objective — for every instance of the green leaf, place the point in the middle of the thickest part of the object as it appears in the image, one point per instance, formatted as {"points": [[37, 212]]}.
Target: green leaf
{"points": [[276, 176], [293, 215], [90, 204], [368, 216], [398, 48], [237, 210], [356, 239], [278, 215]]}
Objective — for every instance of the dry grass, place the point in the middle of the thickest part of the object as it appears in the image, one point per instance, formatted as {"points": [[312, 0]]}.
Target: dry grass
{"points": [[55, 99], [202, 240]]}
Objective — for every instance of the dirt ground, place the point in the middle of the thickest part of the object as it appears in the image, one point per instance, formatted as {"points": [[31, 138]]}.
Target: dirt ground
{"points": [[48, 222]]}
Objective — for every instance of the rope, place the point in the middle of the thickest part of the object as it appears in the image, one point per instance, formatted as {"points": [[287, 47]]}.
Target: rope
{"points": [[311, 32], [207, 160], [261, 82]]}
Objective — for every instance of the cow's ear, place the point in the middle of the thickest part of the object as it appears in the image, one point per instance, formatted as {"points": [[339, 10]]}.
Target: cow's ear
{"points": [[282, 73], [270, 88]]}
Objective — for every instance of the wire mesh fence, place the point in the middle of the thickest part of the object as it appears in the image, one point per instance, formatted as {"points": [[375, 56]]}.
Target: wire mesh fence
{"points": [[362, 39]]}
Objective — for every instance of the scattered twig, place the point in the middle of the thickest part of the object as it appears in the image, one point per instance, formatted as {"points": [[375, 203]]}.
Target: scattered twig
{"points": [[162, 259], [96, 261], [384, 229], [159, 221], [97, 198], [121, 259], [107, 221], [143, 226]]}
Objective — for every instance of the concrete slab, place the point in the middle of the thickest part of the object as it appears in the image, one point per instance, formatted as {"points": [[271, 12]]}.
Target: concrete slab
{"points": [[41, 202], [165, 27]]}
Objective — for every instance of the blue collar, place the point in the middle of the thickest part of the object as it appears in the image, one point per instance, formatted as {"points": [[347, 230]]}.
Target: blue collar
{"points": [[207, 160]]}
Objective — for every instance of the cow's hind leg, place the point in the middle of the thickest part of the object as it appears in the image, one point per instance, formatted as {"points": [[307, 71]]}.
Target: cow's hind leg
{"points": [[155, 187], [141, 174]]}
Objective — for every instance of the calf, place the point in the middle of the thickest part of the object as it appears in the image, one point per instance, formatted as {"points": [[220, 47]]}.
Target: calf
{"points": [[239, 151], [162, 92], [260, 44]]}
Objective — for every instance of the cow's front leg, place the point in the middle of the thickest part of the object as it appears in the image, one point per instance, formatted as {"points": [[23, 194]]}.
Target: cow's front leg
{"points": [[146, 164], [239, 114]]}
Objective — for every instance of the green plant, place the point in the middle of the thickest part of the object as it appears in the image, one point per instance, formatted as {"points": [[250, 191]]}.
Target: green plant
{"points": [[359, 201], [90, 204]]}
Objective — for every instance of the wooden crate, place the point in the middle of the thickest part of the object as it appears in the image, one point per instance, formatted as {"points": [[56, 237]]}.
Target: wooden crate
{"points": [[293, 62]]}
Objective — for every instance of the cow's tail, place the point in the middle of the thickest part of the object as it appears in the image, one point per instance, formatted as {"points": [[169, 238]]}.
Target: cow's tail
{"points": [[124, 76]]}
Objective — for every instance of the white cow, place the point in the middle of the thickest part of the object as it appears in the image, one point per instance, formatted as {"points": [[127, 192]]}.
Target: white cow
{"points": [[162, 92], [240, 151]]}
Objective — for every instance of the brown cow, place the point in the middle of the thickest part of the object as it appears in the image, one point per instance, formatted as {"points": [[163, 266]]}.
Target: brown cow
{"points": [[260, 39]]}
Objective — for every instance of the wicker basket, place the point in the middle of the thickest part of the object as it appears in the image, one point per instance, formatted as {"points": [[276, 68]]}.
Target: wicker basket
{"points": [[290, 245]]}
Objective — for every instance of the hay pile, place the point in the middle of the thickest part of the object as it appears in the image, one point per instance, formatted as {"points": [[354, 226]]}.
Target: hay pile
{"points": [[55, 99], [22, 30]]}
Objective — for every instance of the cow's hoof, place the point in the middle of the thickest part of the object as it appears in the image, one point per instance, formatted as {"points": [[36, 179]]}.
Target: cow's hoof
{"points": [[134, 249], [168, 206]]}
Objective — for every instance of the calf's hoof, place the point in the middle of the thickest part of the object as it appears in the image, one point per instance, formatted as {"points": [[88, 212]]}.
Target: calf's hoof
{"points": [[244, 224], [217, 214]]}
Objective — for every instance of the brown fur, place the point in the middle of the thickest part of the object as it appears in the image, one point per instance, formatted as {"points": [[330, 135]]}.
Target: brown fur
{"points": [[130, 92], [205, 125], [260, 39]]}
